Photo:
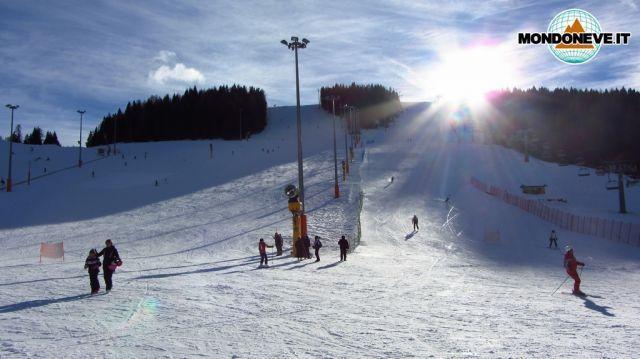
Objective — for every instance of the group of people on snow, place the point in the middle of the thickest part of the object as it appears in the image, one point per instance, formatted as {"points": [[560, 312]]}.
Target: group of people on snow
{"points": [[110, 261], [303, 248]]}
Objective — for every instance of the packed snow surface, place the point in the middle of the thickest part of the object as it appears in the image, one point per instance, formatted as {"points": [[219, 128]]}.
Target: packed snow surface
{"points": [[190, 285]]}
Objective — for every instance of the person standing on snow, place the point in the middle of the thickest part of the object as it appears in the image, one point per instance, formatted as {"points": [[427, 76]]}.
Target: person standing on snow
{"points": [[278, 242], [553, 238], [571, 265], [299, 249], [110, 261], [317, 245], [262, 248], [414, 220], [307, 246], [344, 246], [92, 264]]}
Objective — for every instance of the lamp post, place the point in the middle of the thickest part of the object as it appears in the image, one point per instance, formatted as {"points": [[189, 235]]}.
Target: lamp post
{"points": [[335, 148], [81, 112], [13, 108], [346, 149], [294, 45]]}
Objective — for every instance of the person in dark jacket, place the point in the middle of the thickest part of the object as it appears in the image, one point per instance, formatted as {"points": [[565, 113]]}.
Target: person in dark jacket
{"points": [[571, 266], [317, 244], [553, 238], [344, 246], [111, 257], [92, 265], [414, 220], [300, 249], [307, 246], [278, 242]]}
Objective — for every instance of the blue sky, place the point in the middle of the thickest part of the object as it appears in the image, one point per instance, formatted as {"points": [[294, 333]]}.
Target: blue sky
{"points": [[98, 55]]}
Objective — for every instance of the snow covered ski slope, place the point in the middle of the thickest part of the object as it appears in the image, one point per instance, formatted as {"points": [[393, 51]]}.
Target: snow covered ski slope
{"points": [[190, 284]]}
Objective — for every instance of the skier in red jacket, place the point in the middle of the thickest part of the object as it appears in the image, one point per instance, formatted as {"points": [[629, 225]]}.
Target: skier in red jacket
{"points": [[262, 247], [571, 265]]}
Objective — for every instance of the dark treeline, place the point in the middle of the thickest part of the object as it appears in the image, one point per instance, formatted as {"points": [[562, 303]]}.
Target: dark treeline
{"points": [[35, 137], [569, 125], [377, 105], [224, 112]]}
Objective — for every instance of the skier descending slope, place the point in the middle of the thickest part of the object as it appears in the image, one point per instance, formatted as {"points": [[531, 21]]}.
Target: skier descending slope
{"points": [[571, 265], [414, 220], [262, 247]]}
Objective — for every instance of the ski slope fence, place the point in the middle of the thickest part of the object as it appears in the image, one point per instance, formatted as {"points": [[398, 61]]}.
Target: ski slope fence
{"points": [[610, 229]]}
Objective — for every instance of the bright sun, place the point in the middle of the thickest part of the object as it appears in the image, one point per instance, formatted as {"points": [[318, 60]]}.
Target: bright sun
{"points": [[466, 75]]}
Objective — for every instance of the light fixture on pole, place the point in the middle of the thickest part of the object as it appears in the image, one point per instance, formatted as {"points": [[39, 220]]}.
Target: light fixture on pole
{"points": [[294, 45], [81, 112], [335, 147], [13, 108]]}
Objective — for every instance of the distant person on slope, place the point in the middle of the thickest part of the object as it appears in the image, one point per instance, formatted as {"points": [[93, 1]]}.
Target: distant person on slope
{"points": [[92, 265], [317, 244], [344, 246], [110, 262], [262, 248], [571, 265], [278, 242], [414, 220], [553, 238]]}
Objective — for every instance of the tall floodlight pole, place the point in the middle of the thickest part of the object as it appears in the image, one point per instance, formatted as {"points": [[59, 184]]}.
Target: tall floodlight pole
{"points": [[81, 112], [294, 45], [335, 149], [115, 131], [346, 130], [13, 108]]}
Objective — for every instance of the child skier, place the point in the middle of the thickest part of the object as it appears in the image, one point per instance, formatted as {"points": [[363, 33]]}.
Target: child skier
{"points": [[92, 264], [262, 247], [571, 265]]}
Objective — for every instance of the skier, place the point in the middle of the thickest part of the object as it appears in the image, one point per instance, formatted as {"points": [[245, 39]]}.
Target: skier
{"points": [[414, 220], [278, 241], [553, 238], [299, 249], [571, 265], [92, 264], [262, 247], [391, 179], [110, 262], [344, 246], [307, 246], [317, 244]]}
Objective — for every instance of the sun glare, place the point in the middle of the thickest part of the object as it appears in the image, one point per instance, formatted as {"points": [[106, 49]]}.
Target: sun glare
{"points": [[467, 75]]}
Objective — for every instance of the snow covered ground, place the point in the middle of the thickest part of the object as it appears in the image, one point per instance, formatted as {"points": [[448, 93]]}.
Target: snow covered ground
{"points": [[190, 284]]}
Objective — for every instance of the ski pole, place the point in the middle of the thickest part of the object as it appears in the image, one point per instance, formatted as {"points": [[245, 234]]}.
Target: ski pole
{"points": [[561, 284]]}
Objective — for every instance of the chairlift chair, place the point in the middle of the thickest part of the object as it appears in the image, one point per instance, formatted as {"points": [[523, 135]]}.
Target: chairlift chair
{"points": [[612, 185]]}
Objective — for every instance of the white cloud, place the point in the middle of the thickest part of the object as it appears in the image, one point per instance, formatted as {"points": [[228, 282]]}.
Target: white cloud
{"points": [[178, 73], [166, 56]]}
